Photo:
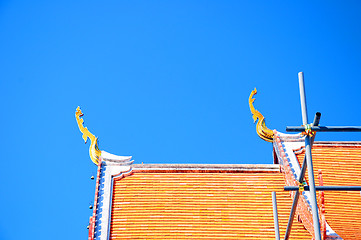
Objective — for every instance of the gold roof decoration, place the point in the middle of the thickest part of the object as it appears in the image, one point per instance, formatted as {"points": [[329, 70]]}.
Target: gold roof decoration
{"points": [[94, 151], [262, 131]]}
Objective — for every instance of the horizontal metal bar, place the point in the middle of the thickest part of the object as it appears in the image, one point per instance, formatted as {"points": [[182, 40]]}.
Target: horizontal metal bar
{"points": [[325, 129], [325, 188]]}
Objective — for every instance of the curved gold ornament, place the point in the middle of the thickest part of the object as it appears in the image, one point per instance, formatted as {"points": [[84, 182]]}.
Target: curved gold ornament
{"points": [[94, 151], [262, 131]]}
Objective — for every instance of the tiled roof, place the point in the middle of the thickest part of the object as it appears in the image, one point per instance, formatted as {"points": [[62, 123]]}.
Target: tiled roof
{"points": [[178, 201], [340, 163], [197, 202]]}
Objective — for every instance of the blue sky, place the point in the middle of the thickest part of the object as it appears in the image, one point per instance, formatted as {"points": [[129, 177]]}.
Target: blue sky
{"points": [[163, 81]]}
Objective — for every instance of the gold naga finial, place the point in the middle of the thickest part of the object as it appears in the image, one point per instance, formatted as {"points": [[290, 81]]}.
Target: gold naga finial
{"points": [[94, 151], [262, 131]]}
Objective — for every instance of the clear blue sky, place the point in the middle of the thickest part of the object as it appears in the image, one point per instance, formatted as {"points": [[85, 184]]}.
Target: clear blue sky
{"points": [[165, 82]]}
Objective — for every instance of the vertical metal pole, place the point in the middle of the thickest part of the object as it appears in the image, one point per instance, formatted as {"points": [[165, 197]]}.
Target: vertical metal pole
{"points": [[301, 83], [311, 178], [316, 121], [275, 216]]}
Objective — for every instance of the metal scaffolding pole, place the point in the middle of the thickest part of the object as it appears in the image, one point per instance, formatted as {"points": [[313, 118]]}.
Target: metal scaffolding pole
{"points": [[316, 121], [275, 216], [325, 188], [325, 128], [313, 199]]}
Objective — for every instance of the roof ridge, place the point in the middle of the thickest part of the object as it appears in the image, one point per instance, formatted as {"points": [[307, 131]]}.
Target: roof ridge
{"points": [[338, 143], [208, 167]]}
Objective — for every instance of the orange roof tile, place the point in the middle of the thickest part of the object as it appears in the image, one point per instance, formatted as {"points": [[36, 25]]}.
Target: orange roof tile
{"points": [[340, 163], [199, 205], [226, 201]]}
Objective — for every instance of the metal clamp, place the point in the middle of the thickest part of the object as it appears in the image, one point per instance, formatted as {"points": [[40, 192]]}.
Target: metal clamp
{"points": [[301, 186], [308, 130]]}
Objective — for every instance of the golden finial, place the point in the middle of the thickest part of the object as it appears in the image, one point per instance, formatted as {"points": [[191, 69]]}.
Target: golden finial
{"points": [[94, 151], [262, 131]]}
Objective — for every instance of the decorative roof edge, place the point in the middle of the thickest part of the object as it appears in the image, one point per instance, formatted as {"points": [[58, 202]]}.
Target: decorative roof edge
{"points": [[285, 146], [94, 151], [107, 172], [113, 159], [92, 220], [262, 131], [289, 137]]}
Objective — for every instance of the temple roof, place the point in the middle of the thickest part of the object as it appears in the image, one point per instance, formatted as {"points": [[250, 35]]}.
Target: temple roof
{"points": [[200, 202], [335, 164], [340, 163], [220, 201], [225, 201]]}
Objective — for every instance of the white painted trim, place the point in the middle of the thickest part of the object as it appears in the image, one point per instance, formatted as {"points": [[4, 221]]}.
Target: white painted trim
{"points": [[114, 166]]}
